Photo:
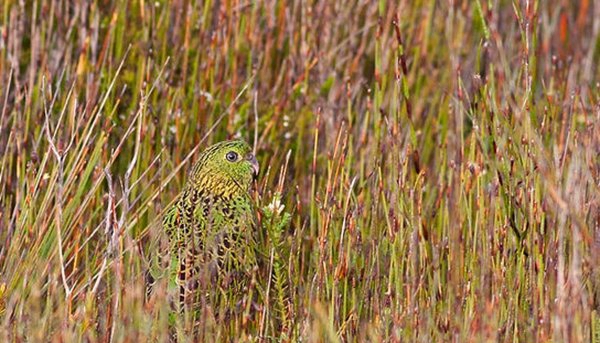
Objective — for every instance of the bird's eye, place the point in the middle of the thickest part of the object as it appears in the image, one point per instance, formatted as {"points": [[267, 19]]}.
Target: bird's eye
{"points": [[231, 156]]}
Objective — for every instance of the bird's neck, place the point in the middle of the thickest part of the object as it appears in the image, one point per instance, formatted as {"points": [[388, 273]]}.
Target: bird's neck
{"points": [[220, 187]]}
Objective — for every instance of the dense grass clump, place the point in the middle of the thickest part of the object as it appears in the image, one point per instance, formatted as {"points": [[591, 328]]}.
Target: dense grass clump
{"points": [[430, 170]]}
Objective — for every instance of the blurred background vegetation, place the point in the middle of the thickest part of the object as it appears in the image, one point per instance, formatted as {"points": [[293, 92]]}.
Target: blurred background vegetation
{"points": [[439, 160]]}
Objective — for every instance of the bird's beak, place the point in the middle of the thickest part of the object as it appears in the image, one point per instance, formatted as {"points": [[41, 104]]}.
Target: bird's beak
{"points": [[254, 164]]}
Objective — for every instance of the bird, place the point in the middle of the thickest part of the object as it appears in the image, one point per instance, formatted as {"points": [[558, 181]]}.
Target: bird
{"points": [[210, 228]]}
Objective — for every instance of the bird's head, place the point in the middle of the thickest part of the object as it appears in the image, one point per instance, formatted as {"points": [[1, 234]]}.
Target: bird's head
{"points": [[227, 167]]}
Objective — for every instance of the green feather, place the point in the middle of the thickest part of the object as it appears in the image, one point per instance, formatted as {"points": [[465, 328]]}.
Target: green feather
{"points": [[210, 227]]}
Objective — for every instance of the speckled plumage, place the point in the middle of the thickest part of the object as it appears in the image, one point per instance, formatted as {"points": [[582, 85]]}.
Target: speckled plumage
{"points": [[210, 227]]}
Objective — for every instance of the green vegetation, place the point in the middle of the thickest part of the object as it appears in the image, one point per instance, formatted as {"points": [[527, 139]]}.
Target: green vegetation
{"points": [[430, 170]]}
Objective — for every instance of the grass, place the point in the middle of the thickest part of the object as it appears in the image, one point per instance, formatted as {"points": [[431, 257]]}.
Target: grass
{"points": [[438, 164]]}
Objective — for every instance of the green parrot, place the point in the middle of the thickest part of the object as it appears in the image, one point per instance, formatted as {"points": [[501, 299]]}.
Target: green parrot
{"points": [[210, 228]]}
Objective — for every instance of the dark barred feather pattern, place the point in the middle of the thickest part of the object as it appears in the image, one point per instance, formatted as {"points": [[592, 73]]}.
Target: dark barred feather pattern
{"points": [[210, 227]]}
